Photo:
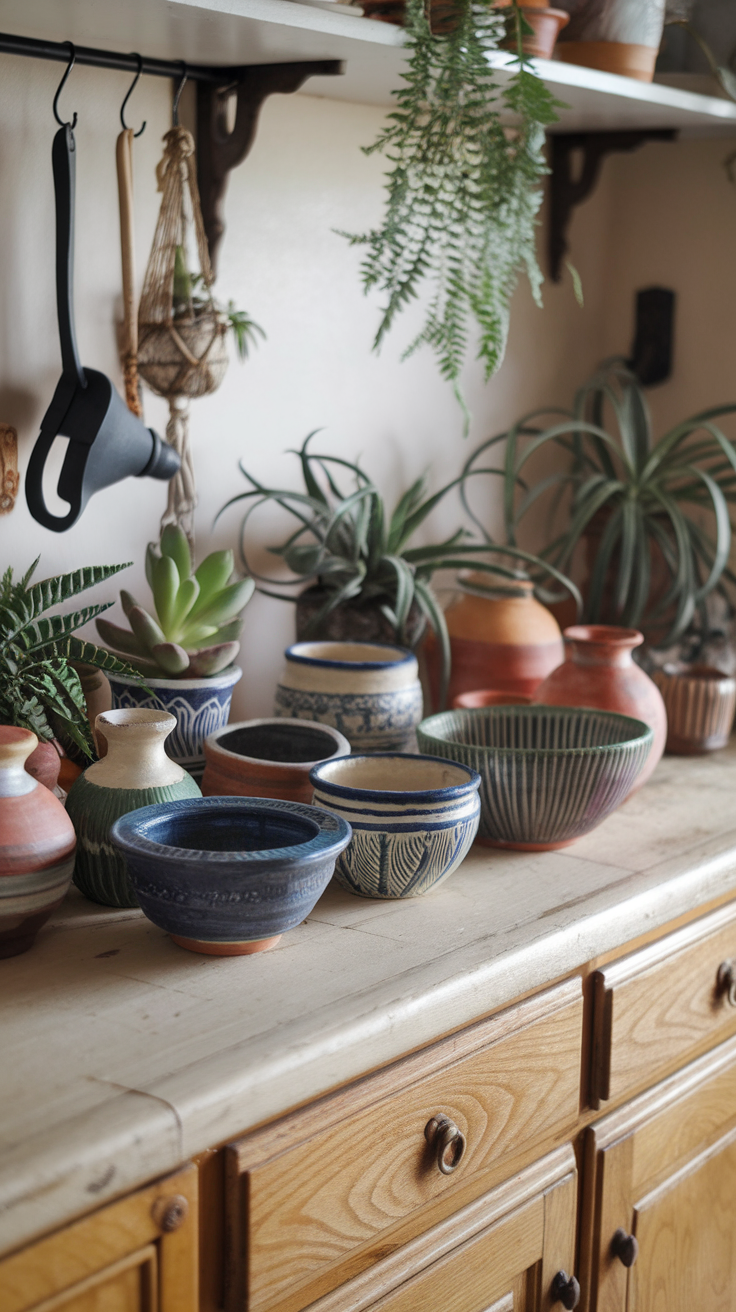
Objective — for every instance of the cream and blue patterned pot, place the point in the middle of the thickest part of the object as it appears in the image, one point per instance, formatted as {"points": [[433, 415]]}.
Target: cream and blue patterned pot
{"points": [[549, 773], [367, 691], [201, 707], [413, 819]]}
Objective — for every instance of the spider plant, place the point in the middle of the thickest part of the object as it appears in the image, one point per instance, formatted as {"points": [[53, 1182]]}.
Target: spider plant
{"points": [[350, 546], [668, 497]]}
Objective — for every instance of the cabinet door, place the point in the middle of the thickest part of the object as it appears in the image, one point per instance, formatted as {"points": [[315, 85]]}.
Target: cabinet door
{"points": [[509, 1251], [136, 1255], [659, 1211]]}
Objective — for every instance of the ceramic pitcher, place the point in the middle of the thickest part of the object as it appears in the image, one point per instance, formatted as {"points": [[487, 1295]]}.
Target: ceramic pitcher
{"points": [[135, 772]]}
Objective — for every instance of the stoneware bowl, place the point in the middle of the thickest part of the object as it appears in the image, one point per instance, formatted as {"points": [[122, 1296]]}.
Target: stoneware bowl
{"points": [[268, 758], [549, 774], [200, 706], [229, 875], [700, 702], [472, 701], [413, 820], [367, 691]]}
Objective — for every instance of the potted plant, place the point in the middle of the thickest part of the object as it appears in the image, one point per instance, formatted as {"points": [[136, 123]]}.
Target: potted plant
{"points": [[463, 188], [364, 581], [186, 648], [654, 515], [40, 689]]}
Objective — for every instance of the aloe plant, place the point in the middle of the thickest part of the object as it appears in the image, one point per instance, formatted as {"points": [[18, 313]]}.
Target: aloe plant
{"points": [[670, 495], [349, 545], [198, 613], [39, 688]]}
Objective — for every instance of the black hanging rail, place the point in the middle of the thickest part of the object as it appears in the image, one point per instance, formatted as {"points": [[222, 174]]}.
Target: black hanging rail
{"points": [[59, 51]]}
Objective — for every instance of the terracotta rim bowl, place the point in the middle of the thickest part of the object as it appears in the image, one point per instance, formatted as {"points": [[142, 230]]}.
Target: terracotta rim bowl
{"points": [[268, 758]]}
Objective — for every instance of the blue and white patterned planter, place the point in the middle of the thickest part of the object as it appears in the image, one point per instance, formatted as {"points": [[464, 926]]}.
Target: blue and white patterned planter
{"points": [[413, 818], [367, 691], [201, 707]]}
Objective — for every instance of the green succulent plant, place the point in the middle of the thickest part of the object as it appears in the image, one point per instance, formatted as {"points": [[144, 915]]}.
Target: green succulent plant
{"points": [[198, 614], [349, 545], [39, 688]]}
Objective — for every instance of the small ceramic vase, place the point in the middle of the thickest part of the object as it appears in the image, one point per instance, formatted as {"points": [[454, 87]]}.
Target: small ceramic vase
{"points": [[500, 637], [200, 707], [369, 692], [268, 758], [700, 703], [135, 772], [36, 846], [599, 671]]}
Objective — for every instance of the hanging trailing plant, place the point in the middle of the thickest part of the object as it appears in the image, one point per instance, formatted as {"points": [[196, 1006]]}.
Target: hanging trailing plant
{"points": [[463, 187]]}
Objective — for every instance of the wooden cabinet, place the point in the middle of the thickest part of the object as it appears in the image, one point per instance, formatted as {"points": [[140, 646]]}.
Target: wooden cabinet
{"points": [[659, 1202], [136, 1255]]}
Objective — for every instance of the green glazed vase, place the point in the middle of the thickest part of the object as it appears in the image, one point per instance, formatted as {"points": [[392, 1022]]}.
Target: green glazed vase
{"points": [[135, 772]]}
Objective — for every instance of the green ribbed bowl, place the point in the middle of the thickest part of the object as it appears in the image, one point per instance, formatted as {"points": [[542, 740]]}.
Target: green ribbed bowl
{"points": [[549, 774], [100, 871]]}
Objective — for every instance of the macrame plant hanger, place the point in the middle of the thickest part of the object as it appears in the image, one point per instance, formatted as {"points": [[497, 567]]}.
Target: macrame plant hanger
{"points": [[182, 351]]}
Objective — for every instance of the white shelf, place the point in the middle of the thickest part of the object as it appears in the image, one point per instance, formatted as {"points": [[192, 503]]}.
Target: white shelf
{"points": [[269, 31]]}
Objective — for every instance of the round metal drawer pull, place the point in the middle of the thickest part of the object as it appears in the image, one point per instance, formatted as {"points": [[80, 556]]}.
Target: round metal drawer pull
{"points": [[169, 1213], [565, 1290], [727, 981], [624, 1247], [448, 1141]]}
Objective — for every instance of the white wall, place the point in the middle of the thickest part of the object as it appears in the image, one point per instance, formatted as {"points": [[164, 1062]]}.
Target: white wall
{"points": [[281, 261]]}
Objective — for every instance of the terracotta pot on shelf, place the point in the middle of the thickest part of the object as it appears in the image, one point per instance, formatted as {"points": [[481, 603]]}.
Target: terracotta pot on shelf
{"points": [[268, 758], [545, 22], [501, 637], [700, 703], [36, 846], [599, 671], [546, 25], [616, 36]]}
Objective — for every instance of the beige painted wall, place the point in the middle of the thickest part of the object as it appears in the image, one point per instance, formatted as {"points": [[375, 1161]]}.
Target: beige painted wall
{"points": [[282, 261]]}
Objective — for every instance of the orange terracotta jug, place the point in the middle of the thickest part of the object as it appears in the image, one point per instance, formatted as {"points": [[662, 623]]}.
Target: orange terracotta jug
{"points": [[600, 671], [501, 637]]}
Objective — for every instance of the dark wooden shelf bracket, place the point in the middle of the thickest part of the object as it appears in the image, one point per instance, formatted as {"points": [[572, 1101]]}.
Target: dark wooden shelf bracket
{"points": [[218, 149], [568, 190]]}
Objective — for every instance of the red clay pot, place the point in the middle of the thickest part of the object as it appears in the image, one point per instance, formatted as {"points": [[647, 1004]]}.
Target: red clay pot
{"points": [[474, 701], [599, 671], [44, 764], [268, 758]]}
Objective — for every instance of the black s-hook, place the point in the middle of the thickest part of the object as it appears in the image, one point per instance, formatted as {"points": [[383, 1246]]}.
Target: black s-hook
{"points": [[59, 89], [131, 89], [179, 89]]}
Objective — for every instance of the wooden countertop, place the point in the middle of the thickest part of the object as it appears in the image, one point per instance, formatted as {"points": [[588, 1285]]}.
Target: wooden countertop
{"points": [[122, 1055]]}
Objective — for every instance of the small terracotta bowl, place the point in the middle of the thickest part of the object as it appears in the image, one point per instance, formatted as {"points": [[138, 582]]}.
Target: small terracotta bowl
{"points": [[480, 697], [700, 702], [268, 758]]}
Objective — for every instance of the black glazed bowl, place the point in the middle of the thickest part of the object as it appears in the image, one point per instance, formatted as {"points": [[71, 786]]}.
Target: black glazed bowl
{"points": [[229, 875]]}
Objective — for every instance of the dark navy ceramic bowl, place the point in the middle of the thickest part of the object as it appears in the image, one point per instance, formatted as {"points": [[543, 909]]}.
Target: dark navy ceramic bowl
{"points": [[229, 875]]}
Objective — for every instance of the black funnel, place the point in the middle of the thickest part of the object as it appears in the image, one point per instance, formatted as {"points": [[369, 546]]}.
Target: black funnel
{"points": [[106, 441]]}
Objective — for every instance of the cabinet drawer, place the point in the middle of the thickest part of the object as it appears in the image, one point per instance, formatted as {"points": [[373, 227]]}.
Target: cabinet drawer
{"points": [[662, 1005], [313, 1199]]}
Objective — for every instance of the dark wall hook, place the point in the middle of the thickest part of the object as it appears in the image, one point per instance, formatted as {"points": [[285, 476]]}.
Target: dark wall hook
{"points": [[130, 91], [177, 96], [60, 88]]}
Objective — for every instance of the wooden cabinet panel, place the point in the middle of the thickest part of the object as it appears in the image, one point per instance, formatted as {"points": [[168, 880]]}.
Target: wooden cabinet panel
{"points": [[662, 1171], [661, 1005], [137, 1255], [313, 1200]]}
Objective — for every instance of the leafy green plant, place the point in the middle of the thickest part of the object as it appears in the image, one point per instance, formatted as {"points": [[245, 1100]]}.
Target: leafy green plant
{"points": [[352, 548], [192, 299], [670, 497], [191, 609], [463, 189], [39, 689]]}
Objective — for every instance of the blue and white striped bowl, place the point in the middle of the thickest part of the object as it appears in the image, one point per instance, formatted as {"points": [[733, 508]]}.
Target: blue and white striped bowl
{"points": [[413, 820], [549, 773]]}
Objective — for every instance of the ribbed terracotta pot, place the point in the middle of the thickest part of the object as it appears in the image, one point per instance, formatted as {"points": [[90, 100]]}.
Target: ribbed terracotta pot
{"points": [[500, 637], [268, 758], [599, 671], [135, 772], [36, 846], [700, 703]]}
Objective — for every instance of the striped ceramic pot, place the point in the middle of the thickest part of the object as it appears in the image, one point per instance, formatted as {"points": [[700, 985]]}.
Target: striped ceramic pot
{"points": [[268, 758], [36, 846], [199, 706], [367, 691], [135, 772], [700, 702], [413, 820]]}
